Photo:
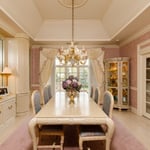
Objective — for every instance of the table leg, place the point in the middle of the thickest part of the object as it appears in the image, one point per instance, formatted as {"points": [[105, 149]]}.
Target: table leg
{"points": [[32, 129], [110, 132]]}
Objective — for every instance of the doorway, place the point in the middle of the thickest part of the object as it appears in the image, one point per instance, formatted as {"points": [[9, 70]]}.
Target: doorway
{"points": [[143, 78]]}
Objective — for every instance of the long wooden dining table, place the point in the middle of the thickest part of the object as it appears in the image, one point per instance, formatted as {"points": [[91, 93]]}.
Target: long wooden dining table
{"points": [[59, 111]]}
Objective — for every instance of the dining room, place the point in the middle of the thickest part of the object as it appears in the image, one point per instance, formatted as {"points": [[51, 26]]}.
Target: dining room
{"points": [[70, 54]]}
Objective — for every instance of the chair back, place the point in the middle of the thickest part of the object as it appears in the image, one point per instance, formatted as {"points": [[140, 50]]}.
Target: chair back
{"points": [[108, 103], [35, 101], [97, 95], [45, 95], [49, 91], [91, 92]]}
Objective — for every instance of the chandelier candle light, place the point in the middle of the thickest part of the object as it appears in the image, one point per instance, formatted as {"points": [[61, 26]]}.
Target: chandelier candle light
{"points": [[72, 55]]}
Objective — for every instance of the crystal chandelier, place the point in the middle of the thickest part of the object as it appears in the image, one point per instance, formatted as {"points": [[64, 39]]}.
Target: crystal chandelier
{"points": [[72, 55]]}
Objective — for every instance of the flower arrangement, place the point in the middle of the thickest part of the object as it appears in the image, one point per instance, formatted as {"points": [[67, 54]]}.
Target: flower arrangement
{"points": [[71, 84]]}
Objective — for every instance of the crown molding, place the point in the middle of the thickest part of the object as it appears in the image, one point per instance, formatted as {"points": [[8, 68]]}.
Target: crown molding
{"points": [[136, 35]]}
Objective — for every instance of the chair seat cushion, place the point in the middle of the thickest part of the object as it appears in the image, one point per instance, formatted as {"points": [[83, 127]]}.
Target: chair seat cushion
{"points": [[91, 130]]}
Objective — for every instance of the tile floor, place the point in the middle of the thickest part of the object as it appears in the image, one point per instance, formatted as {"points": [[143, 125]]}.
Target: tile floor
{"points": [[138, 126]]}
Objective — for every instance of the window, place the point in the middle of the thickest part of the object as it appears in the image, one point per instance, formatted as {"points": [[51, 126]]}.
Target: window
{"points": [[62, 72]]}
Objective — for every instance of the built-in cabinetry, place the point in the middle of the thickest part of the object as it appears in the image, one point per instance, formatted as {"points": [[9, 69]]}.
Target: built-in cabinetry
{"points": [[147, 91], [18, 60], [7, 111], [117, 80]]}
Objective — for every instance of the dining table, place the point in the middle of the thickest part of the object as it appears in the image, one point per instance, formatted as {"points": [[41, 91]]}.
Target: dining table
{"points": [[59, 111]]}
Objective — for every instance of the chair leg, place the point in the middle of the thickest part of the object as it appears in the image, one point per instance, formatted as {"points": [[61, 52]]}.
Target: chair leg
{"points": [[80, 144], [62, 142]]}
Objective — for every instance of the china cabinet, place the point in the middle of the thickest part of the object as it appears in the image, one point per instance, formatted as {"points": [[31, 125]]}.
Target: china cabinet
{"points": [[117, 80], [147, 86]]}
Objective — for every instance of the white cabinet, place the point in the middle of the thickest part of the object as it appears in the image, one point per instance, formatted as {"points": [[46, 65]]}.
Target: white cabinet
{"points": [[117, 80], [147, 86], [7, 111], [18, 60]]}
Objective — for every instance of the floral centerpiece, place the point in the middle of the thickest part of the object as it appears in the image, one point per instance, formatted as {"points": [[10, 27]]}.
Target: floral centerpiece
{"points": [[72, 86]]}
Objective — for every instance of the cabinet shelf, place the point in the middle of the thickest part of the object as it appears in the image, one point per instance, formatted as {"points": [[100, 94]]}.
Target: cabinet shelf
{"points": [[117, 80]]}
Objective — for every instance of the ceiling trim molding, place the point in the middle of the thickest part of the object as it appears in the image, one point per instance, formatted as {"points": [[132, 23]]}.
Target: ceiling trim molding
{"points": [[136, 35]]}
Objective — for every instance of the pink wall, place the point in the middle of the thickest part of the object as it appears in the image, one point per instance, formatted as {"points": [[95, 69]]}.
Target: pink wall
{"points": [[35, 68], [111, 52], [130, 50]]}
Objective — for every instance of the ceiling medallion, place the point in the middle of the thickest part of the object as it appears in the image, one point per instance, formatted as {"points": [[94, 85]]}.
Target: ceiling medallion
{"points": [[68, 3]]}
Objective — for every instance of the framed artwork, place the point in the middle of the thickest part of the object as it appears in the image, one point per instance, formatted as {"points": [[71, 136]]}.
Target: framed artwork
{"points": [[3, 91]]}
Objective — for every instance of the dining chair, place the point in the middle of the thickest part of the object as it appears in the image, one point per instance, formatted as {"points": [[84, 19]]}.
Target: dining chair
{"points": [[97, 95], [91, 92], [35, 101], [45, 95], [49, 91], [97, 132], [56, 132]]}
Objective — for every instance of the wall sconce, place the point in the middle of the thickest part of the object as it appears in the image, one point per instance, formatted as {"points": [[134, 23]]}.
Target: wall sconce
{"points": [[6, 72]]}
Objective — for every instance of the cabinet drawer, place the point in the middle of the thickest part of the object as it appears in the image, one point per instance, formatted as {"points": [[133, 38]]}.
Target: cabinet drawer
{"points": [[10, 109]]}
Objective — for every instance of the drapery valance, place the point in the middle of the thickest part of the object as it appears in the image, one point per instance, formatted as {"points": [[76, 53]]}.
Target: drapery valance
{"points": [[47, 59]]}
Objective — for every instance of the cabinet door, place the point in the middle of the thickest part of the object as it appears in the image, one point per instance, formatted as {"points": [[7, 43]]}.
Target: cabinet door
{"points": [[147, 88], [112, 79], [125, 83]]}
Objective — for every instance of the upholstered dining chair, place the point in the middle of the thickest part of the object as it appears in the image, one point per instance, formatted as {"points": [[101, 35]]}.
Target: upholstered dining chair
{"points": [[97, 132], [91, 92], [46, 95], [97, 95], [56, 132], [49, 91]]}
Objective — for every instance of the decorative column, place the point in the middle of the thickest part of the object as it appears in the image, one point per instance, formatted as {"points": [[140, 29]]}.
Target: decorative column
{"points": [[18, 60]]}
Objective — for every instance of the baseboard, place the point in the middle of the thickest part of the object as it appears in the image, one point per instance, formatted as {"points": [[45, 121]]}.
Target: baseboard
{"points": [[134, 110]]}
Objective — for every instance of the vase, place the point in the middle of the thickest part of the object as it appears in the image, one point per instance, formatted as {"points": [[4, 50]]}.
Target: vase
{"points": [[71, 95]]}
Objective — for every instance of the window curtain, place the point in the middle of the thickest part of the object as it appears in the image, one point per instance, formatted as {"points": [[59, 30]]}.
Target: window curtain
{"points": [[47, 59], [96, 57]]}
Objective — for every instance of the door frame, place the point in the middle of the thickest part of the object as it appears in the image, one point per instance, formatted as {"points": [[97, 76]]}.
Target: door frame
{"points": [[143, 49]]}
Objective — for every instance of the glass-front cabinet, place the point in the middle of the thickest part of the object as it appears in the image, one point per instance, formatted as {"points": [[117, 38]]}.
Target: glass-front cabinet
{"points": [[147, 99], [117, 80]]}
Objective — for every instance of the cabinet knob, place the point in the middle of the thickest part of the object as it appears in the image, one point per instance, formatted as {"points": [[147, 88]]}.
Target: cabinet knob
{"points": [[10, 107]]}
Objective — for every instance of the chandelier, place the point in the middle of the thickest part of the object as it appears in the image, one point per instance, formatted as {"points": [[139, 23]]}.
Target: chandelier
{"points": [[72, 55]]}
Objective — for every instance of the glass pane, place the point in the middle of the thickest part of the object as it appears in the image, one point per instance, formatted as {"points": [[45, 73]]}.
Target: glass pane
{"points": [[125, 96], [147, 96], [148, 108], [114, 92], [112, 76], [148, 85], [148, 63], [147, 73], [71, 71], [125, 74], [83, 78], [63, 72], [60, 76]]}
